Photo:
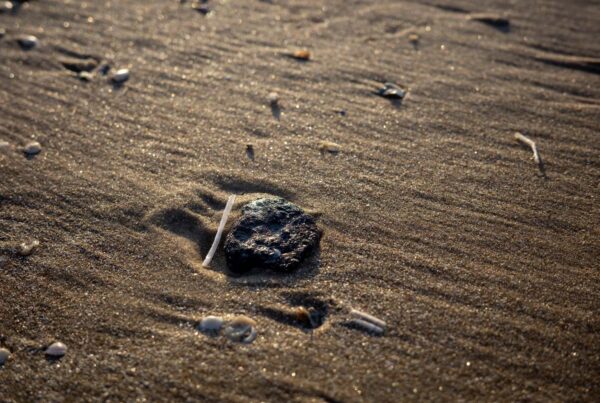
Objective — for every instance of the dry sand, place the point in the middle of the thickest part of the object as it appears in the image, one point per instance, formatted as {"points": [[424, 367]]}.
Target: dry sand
{"points": [[485, 269]]}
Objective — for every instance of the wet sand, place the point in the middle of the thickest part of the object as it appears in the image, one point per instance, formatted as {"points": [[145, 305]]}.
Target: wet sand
{"points": [[484, 266]]}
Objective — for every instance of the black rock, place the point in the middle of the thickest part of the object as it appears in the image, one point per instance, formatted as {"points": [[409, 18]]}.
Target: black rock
{"points": [[271, 234]]}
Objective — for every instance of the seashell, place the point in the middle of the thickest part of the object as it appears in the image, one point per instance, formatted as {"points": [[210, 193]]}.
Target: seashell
{"points": [[368, 318], [329, 147], [27, 42], [391, 90], [4, 355], [120, 76], [32, 148], [241, 329], [56, 350], [302, 54], [211, 324], [26, 249], [366, 326]]}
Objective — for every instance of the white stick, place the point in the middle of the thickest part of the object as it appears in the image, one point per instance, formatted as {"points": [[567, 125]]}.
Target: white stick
{"points": [[367, 326], [531, 144], [363, 316], [215, 243]]}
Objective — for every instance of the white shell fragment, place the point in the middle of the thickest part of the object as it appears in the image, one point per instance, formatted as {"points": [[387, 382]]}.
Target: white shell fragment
{"points": [[366, 326], [27, 248], [4, 355], [32, 148], [120, 76], [211, 324], [28, 41], [531, 144], [56, 350], [215, 244], [241, 329]]}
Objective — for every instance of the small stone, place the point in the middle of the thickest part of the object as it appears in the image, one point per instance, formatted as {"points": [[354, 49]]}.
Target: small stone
{"points": [[85, 76], [4, 355], [391, 90], [27, 248], [211, 324], [78, 66], [302, 54], [271, 233], [32, 148], [5, 6], [273, 98], [56, 350], [27, 42], [414, 38], [2, 33], [104, 69], [250, 151], [120, 76], [329, 147]]}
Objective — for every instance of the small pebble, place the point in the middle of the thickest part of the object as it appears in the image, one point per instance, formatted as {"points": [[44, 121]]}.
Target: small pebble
{"points": [[120, 76], [85, 76], [250, 151], [4, 355], [56, 350], [6, 6], [26, 249], [301, 55], [273, 98], [32, 148], [27, 42], [211, 324], [391, 90], [329, 147], [414, 38], [202, 9], [2, 33]]}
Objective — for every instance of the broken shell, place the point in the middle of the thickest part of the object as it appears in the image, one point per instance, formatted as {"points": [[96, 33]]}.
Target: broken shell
{"points": [[25, 249], [27, 42], [120, 76], [211, 324], [241, 329], [330, 147], [368, 318], [4, 355], [56, 350], [301, 55], [391, 90], [32, 148]]}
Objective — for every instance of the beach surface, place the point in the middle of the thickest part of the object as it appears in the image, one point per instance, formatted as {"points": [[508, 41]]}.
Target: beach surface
{"points": [[484, 264]]}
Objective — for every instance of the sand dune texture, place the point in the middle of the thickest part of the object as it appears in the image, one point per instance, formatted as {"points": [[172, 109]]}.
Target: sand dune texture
{"points": [[484, 266]]}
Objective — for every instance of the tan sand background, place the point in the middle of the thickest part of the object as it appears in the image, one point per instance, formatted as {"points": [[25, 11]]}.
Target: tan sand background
{"points": [[435, 220]]}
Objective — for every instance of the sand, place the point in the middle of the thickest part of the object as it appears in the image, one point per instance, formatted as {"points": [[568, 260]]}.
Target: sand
{"points": [[484, 267]]}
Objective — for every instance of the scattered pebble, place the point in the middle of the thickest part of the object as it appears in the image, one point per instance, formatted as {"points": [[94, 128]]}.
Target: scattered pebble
{"points": [[202, 9], [495, 20], [26, 249], [120, 76], [85, 76], [32, 148], [250, 151], [391, 90], [211, 324], [56, 350], [329, 147], [241, 329], [5, 6], [302, 54], [271, 233], [2, 33], [273, 98], [4, 355], [27, 42]]}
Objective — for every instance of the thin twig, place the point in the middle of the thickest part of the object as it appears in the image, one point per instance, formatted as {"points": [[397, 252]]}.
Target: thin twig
{"points": [[215, 243]]}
